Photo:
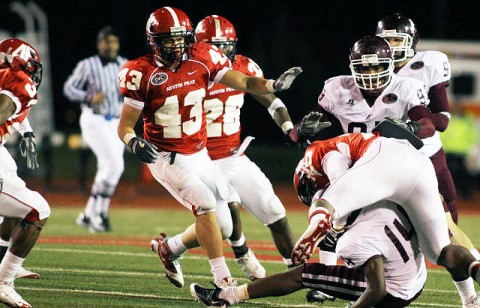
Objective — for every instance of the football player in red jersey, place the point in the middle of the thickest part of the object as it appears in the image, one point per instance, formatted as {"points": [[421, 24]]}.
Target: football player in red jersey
{"points": [[20, 76], [248, 184], [432, 68], [167, 89]]}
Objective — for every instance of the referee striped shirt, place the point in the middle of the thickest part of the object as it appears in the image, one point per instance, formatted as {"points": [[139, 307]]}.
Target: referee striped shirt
{"points": [[93, 75]]}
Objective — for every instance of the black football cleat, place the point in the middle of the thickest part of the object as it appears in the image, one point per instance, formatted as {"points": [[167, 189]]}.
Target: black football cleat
{"points": [[208, 296], [315, 296]]}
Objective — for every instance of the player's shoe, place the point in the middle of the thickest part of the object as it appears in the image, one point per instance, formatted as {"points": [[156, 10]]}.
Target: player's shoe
{"points": [[208, 296], [173, 270], [96, 224], [250, 266], [24, 273], [316, 231], [83, 220], [10, 297], [105, 222], [315, 296], [226, 282], [472, 303]]}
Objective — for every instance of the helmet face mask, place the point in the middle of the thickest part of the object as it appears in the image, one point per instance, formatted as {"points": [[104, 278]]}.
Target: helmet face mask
{"points": [[401, 44], [169, 48], [218, 31], [371, 63]]}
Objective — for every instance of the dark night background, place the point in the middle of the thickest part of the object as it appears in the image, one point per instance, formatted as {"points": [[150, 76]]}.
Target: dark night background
{"points": [[315, 35]]}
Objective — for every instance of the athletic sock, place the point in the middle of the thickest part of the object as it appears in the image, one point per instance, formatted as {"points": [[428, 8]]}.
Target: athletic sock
{"points": [[288, 262], [219, 268], [234, 295], [239, 246], [465, 289], [104, 205], [176, 245], [475, 253], [10, 266], [90, 209]]}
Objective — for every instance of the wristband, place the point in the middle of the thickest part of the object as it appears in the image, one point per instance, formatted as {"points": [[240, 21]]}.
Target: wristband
{"points": [[276, 103], [128, 137], [269, 86], [286, 126]]}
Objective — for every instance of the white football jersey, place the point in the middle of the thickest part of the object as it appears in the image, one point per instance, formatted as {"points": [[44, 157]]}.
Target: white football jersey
{"points": [[430, 68], [382, 229], [343, 99]]}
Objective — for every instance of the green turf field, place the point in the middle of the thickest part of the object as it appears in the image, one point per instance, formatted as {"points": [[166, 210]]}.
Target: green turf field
{"points": [[119, 270]]}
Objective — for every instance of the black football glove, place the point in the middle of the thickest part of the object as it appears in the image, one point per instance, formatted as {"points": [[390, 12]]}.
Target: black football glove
{"points": [[311, 124], [28, 149], [146, 151], [285, 80], [411, 126]]}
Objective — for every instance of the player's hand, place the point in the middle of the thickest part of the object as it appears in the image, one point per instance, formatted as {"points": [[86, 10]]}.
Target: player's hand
{"points": [[312, 124], [285, 80], [28, 149], [97, 98], [146, 151], [411, 126]]}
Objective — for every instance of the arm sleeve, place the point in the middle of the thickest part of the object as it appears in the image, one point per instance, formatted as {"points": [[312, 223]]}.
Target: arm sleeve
{"points": [[439, 106], [423, 116], [73, 87]]}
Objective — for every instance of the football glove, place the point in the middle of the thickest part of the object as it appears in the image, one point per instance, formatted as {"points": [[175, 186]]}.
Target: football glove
{"points": [[28, 149], [146, 151], [311, 124], [285, 80], [411, 126]]}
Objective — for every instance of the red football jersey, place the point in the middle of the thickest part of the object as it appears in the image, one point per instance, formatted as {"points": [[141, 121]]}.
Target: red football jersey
{"points": [[223, 112], [351, 145], [19, 87], [172, 101]]}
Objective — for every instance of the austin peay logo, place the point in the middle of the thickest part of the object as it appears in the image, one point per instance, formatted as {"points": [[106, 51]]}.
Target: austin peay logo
{"points": [[390, 98], [158, 79], [417, 65]]}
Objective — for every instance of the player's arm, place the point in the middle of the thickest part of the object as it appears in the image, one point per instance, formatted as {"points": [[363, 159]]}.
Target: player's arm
{"points": [[256, 85], [146, 151], [439, 106], [277, 110], [7, 108], [310, 125], [375, 278]]}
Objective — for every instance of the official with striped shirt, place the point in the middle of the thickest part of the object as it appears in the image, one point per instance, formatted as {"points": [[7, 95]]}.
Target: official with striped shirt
{"points": [[94, 84]]}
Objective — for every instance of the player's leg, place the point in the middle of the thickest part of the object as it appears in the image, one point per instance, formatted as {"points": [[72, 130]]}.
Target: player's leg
{"points": [[198, 185]]}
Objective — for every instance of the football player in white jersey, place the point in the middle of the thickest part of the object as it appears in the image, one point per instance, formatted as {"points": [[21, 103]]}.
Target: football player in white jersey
{"points": [[432, 68], [384, 266]]}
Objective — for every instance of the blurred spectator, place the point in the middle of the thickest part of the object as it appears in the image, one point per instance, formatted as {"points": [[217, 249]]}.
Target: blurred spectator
{"points": [[458, 141]]}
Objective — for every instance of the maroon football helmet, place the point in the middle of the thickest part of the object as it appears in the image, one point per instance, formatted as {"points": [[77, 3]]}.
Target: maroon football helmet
{"points": [[219, 31], [18, 54], [396, 26], [167, 23], [371, 63]]}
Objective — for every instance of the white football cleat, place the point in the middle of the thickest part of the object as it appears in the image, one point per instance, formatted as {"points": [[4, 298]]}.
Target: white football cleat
{"points": [[10, 297], [226, 282], [82, 220], [250, 266], [24, 273], [173, 270], [96, 224]]}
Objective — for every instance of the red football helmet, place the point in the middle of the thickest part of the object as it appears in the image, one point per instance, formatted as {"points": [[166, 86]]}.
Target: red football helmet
{"points": [[371, 63], [308, 183], [219, 31], [167, 23], [396, 26], [20, 55]]}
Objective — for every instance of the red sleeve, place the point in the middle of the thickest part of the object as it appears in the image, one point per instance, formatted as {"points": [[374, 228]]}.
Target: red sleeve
{"points": [[19, 87], [423, 116], [133, 80], [213, 58], [439, 103]]}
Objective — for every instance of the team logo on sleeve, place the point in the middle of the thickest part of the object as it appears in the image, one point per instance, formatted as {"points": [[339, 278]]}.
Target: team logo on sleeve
{"points": [[390, 98], [417, 65], [158, 79]]}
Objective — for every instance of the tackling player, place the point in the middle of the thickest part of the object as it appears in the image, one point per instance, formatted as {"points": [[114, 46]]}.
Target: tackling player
{"points": [[167, 89], [20, 76], [432, 68], [248, 184], [384, 266]]}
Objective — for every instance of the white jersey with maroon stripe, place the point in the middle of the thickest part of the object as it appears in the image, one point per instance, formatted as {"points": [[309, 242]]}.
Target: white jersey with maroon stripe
{"points": [[343, 99], [384, 230], [430, 68]]}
